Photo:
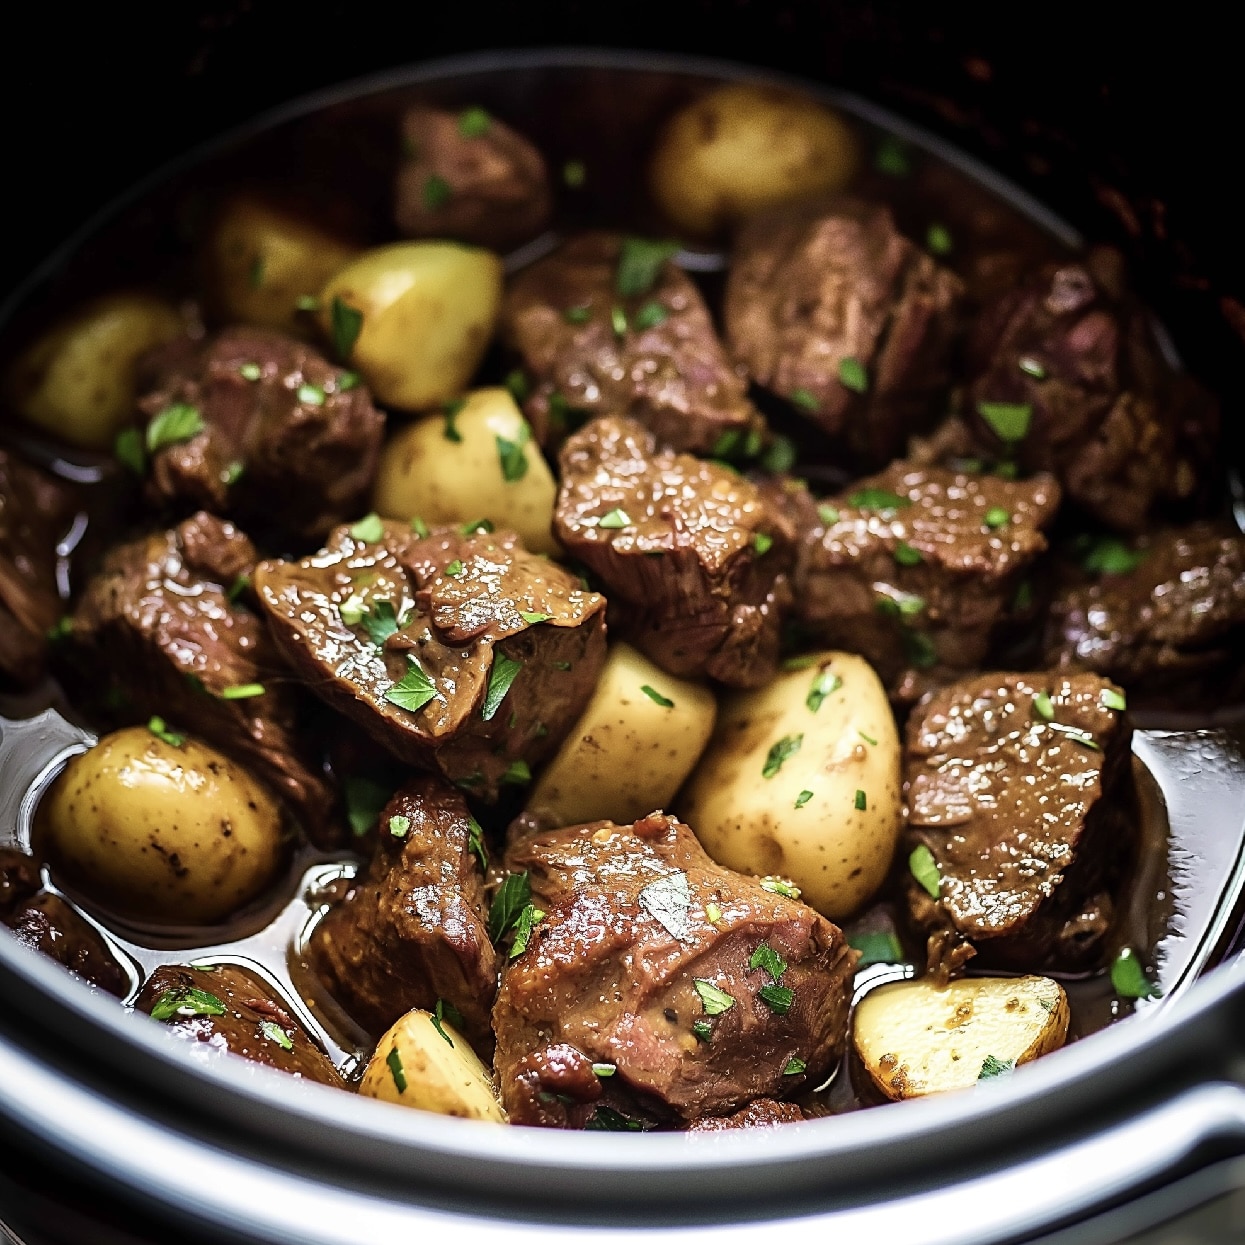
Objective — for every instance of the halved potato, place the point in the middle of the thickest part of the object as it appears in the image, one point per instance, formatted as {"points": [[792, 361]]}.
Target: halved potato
{"points": [[417, 1064], [916, 1037], [632, 748]]}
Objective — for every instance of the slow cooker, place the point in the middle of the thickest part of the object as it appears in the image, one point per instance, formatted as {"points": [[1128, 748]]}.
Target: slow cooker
{"points": [[108, 1134]]}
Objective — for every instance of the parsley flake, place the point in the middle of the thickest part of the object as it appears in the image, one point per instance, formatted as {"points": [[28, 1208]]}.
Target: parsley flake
{"points": [[511, 455], [352, 610], [825, 683], [517, 383], [450, 411], [157, 727], [368, 528], [767, 958], [529, 918], [1128, 978], [1009, 421], [419, 527], [129, 452], [780, 457], [514, 894], [517, 773], [503, 673], [794, 1067], [992, 1067], [399, 826], [876, 947], [616, 518], [781, 886], [650, 315], [702, 1030], [455, 568], [1111, 557], [174, 425], [186, 1001], [806, 400], [892, 157], [364, 801], [604, 1069], [996, 517], [867, 738], [414, 690], [475, 842], [656, 697], [250, 371], [347, 381], [345, 325], [274, 1033], [938, 240], [828, 515], [714, 1000], [1109, 698], [394, 1060], [1044, 707], [577, 315], [762, 542], [1031, 367], [446, 1012], [803, 798], [860, 801], [618, 321], [436, 193], [923, 867], [777, 998], [878, 499], [639, 265], [852, 375], [475, 526], [311, 395], [242, 691], [906, 555], [782, 751], [474, 122]]}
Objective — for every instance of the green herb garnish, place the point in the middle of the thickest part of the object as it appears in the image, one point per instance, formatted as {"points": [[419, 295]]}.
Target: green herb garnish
{"points": [[514, 894], [639, 265], [577, 315], [129, 452], [783, 750], [906, 555], [503, 673], [311, 395], [476, 526], [1109, 698], [604, 1069], [825, 683], [767, 958], [702, 1030], [446, 1012], [992, 1067], [399, 826], [364, 801], [806, 400], [618, 321], [852, 375], [174, 425], [1128, 978], [533, 618], [762, 542], [923, 867], [1044, 707], [616, 518], [368, 528], [242, 691], [892, 157], [1111, 557], [878, 499], [307, 302], [474, 123], [157, 727], [529, 918], [777, 998], [607, 1120], [517, 773], [345, 324], [1031, 367], [860, 801], [186, 1001], [511, 455], [803, 798], [656, 697], [779, 457], [475, 842], [996, 517], [828, 515], [780, 886], [517, 383], [250, 371], [794, 1067], [938, 240], [414, 690], [876, 947], [437, 192], [419, 527], [650, 315], [455, 568], [1009, 421], [274, 1033], [394, 1060], [714, 1000]]}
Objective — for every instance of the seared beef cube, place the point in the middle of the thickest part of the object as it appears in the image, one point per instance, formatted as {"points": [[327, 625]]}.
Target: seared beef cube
{"points": [[45, 922], [261, 428], [1018, 789], [36, 511], [692, 555], [162, 630], [460, 654], [652, 356], [1166, 615], [468, 176], [229, 1008], [702, 988], [1067, 378], [414, 929], [763, 1113], [830, 306], [914, 568]]}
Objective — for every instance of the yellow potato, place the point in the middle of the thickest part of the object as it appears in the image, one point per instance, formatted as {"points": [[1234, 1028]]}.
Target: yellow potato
{"points": [[916, 1038], [494, 470], [428, 310], [78, 379], [802, 781], [258, 262], [414, 1065], [742, 148], [162, 833], [629, 753]]}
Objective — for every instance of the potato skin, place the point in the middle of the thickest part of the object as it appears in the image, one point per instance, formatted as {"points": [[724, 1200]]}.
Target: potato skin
{"points": [[423, 472], [627, 755], [78, 380], [258, 261], [441, 1074], [836, 853], [742, 148], [160, 834], [429, 309]]}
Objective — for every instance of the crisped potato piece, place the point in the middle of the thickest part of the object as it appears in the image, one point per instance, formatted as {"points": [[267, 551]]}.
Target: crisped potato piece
{"points": [[916, 1037], [425, 1062]]}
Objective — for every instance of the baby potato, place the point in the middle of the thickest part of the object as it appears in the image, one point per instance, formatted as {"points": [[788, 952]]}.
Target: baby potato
{"points": [[916, 1037], [258, 262], [162, 833], [742, 148], [479, 463], [801, 779], [415, 318], [632, 748], [418, 1065], [78, 379]]}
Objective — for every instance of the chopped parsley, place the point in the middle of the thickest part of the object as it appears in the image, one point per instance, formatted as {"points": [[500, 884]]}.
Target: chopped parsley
{"points": [[794, 1067], [919, 649], [511, 455], [867, 738], [503, 673], [574, 174], [368, 528], [513, 895], [345, 324], [767, 958], [528, 920], [419, 527], [852, 375], [938, 240], [996, 517], [517, 773], [475, 842], [992, 1067], [878, 499], [1128, 978], [233, 473], [364, 801], [1109, 698], [533, 618], [311, 395], [1111, 557], [618, 321], [476, 526], [1044, 707], [780, 886], [923, 867], [650, 315], [777, 998], [604, 1069], [455, 568], [825, 683], [806, 400], [782, 751], [1031, 367], [713, 913], [394, 1060], [517, 383], [891, 157], [656, 697], [801, 662], [174, 425], [250, 371], [62, 629], [1009, 421], [474, 122], [762, 542], [780, 456], [307, 302], [414, 690], [437, 192], [157, 727], [876, 947], [577, 315], [129, 452], [446, 1012], [347, 381], [274, 1033], [450, 411], [399, 826], [860, 801], [186, 1001], [828, 515], [352, 610], [714, 1000], [242, 691], [906, 555], [639, 265], [702, 1030], [803, 798]]}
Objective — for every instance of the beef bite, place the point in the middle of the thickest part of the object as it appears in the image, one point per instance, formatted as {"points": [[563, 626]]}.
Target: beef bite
{"points": [[693, 556], [462, 654], [163, 630], [226, 1007], [915, 568], [831, 307], [259, 427], [1164, 615], [1066, 376], [699, 987], [608, 325], [467, 175], [763, 1113], [1018, 792], [414, 930]]}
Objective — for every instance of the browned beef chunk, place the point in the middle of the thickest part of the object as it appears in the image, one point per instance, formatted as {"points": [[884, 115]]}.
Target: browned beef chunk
{"points": [[45, 922], [1164, 615], [1018, 785], [161, 630], [698, 1016], [693, 556], [414, 929], [1067, 377], [288, 441], [763, 1113], [915, 568], [463, 654], [36, 510], [230, 1008], [468, 176], [652, 356], [834, 309]]}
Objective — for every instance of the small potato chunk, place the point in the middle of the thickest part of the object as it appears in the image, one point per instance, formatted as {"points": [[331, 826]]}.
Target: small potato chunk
{"points": [[915, 1037], [161, 833], [258, 262], [631, 751], [78, 379], [802, 780], [743, 148], [428, 311], [479, 463], [417, 1065]]}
